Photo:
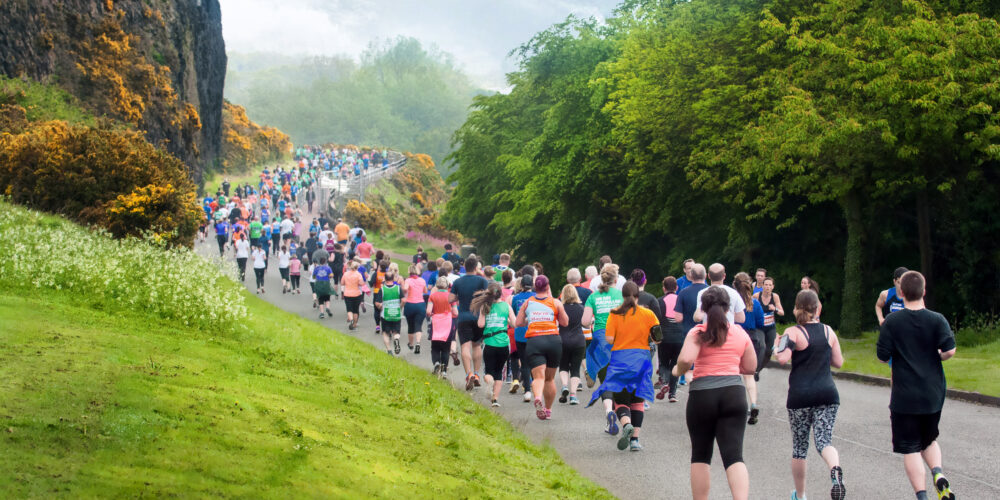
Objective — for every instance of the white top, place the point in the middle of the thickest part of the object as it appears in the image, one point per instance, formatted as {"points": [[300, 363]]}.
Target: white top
{"points": [[324, 235], [735, 302], [259, 259], [596, 282], [283, 258], [286, 226], [242, 249]]}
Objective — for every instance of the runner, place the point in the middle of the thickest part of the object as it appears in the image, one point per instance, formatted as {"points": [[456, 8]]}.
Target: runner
{"points": [[595, 313], [574, 346], [342, 231], [595, 283], [673, 340], [771, 303], [442, 314], [737, 309], [387, 302], [917, 340], [494, 316], [754, 315], [284, 260], [470, 336], [502, 266], [295, 271], [630, 329], [717, 402], [813, 400], [807, 283], [542, 315], [891, 300], [221, 235], [259, 266], [684, 281], [375, 281], [337, 263], [759, 276], [415, 309], [322, 287], [352, 283], [241, 248], [520, 371]]}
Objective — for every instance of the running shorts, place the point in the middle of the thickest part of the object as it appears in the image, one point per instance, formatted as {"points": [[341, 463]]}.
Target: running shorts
{"points": [[322, 298], [913, 433], [543, 350], [390, 327], [469, 331], [571, 359], [414, 312], [493, 360], [353, 303], [284, 272]]}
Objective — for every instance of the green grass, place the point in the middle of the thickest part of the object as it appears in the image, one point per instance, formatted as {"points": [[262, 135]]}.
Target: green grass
{"points": [[121, 402], [397, 242], [44, 102]]}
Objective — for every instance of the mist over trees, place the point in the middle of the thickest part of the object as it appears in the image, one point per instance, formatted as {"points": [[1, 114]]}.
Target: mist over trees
{"points": [[400, 95], [837, 139]]}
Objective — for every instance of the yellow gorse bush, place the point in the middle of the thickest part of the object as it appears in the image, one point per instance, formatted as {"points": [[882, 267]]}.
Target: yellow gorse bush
{"points": [[175, 283]]}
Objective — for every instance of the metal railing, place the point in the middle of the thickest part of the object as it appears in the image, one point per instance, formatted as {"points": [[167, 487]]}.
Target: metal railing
{"points": [[334, 188]]}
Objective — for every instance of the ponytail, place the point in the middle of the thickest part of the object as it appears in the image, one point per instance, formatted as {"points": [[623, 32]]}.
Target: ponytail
{"points": [[630, 299], [609, 275], [715, 304], [483, 301]]}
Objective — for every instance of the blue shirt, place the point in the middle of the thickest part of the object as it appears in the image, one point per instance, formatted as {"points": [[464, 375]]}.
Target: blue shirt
{"points": [[754, 320], [515, 303], [682, 283]]}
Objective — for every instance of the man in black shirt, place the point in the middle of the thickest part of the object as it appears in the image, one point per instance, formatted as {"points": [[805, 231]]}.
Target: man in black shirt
{"points": [[470, 336], [687, 302], [916, 340]]}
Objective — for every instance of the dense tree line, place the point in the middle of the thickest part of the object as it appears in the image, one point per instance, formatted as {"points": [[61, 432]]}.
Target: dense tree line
{"points": [[836, 139], [400, 95]]}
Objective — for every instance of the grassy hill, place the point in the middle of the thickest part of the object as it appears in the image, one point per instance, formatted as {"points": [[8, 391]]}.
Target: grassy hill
{"points": [[130, 370]]}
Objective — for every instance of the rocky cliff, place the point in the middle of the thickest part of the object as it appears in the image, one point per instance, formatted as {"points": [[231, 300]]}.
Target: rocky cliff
{"points": [[158, 65]]}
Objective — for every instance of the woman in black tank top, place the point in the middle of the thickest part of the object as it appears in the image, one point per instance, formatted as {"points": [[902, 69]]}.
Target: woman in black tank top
{"points": [[813, 400]]}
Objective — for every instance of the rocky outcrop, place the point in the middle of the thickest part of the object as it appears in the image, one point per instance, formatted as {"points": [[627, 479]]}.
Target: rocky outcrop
{"points": [[158, 65]]}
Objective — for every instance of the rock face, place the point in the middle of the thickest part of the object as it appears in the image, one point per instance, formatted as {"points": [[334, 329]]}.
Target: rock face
{"points": [[159, 65]]}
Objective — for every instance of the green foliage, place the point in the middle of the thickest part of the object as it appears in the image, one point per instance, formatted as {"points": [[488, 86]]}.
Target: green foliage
{"points": [[43, 102], [401, 95], [791, 135]]}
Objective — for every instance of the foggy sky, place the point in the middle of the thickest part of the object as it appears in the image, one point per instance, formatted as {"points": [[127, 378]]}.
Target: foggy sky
{"points": [[478, 33]]}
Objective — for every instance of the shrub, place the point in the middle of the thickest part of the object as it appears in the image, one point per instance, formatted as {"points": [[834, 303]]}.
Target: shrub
{"points": [[245, 143], [372, 219], [112, 178], [175, 284]]}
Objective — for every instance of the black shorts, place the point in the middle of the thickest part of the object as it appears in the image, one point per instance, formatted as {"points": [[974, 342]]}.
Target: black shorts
{"points": [[284, 272], [543, 350], [390, 327], [493, 360], [571, 359], [353, 303], [469, 331], [913, 433], [322, 298]]}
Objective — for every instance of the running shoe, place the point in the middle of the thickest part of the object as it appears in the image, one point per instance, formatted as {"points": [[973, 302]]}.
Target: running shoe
{"points": [[444, 372], [579, 387], [437, 370], [682, 380], [540, 409], [409, 346], [469, 384], [838, 491], [794, 496], [352, 327], [378, 330], [315, 303], [475, 380], [514, 386], [565, 394], [548, 413], [395, 346], [416, 349], [590, 380], [754, 413], [634, 445], [664, 389], [943, 487], [454, 359], [363, 308], [672, 398], [527, 397], [657, 385], [573, 400], [627, 431], [612, 427], [495, 404], [321, 316]]}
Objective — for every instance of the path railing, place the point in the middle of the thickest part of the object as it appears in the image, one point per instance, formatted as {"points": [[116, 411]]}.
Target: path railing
{"points": [[336, 190]]}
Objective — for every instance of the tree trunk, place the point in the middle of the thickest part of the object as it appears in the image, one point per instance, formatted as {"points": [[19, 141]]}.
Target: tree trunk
{"points": [[850, 312], [924, 242]]}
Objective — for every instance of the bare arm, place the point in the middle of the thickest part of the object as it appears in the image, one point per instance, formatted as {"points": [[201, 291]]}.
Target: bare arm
{"points": [[740, 316], [785, 356], [511, 319], [946, 355], [481, 322], [563, 318], [521, 320], [748, 362], [879, 304], [837, 357], [698, 315], [780, 311], [588, 317], [430, 308], [689, 353]]}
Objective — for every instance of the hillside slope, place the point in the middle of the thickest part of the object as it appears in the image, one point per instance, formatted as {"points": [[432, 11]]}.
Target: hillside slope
{"points": [[108, 395]]}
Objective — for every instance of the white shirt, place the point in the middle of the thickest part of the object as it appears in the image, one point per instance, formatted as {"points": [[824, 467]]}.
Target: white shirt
{"points": [[286, 226], [242, 249], [325, 235], [283, 258], [596, 282], [736, 303], [259, 259]]}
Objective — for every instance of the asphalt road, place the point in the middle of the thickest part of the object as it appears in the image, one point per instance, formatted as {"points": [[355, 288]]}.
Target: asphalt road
{"points": [[970, 434]]}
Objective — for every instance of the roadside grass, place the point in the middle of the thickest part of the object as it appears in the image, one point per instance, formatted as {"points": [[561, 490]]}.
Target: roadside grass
{"points": [[398, 243], [120, 401], [247, 175]]}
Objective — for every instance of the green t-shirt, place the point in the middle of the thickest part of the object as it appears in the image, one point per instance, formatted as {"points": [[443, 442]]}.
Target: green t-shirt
{"points": [[495, 333], [602, 303], [498, 277], [390, 303], [256, 229]]}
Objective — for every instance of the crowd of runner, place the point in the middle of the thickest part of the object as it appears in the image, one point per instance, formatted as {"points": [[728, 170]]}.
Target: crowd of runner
{"points": [[600, 327]]}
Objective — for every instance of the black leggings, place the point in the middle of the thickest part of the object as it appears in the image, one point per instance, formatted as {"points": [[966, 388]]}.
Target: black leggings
{"points": [[493, 360], [439, 353], [514, 365], [295, 281], [241, 262], [571, 359], [259, 272], [522, 349], [769, 333], [668, 358], [627, 404], [717, 415], [221, 238]]}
